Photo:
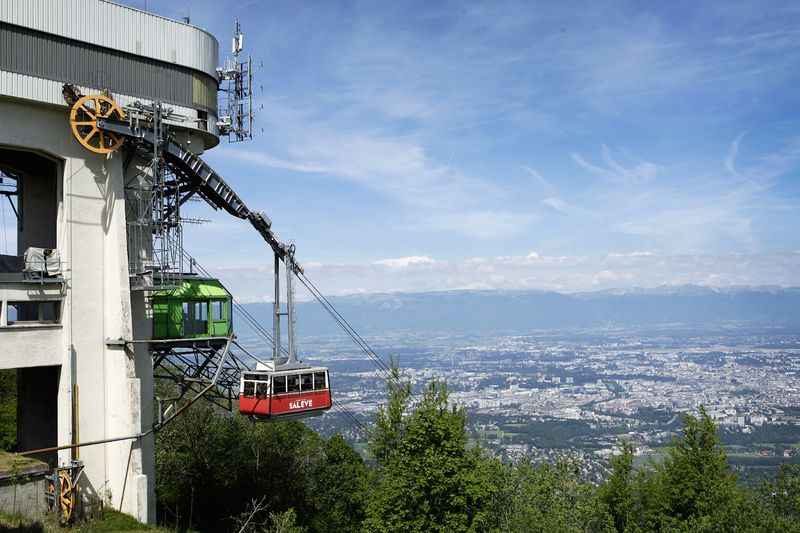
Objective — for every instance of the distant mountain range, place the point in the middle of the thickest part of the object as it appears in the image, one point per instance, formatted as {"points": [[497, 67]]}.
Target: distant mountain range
{"points": [[522, 311]]}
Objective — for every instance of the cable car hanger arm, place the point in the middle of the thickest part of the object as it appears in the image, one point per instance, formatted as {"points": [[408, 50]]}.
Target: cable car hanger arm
{"points": [[212, 187]]}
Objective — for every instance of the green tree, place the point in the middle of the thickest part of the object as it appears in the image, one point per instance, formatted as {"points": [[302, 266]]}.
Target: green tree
{"points": [[551, 498], [617, 492], [8, 410], [782, 498], [429, 481], [209, 465], [696, 481], [389, 424], [338, 488]]}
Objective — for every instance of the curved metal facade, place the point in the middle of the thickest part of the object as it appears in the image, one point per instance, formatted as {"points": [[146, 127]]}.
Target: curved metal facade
{"points": [[97, 44], [119, 27], [30, 52]]}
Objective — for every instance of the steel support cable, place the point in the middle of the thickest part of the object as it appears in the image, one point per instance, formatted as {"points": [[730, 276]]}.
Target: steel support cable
{"points": [[325, 303], [351, 418], [321, 299], [343, 324], [343, 321], [384, 371], [339, 408], [388, 374], [348, 328]]}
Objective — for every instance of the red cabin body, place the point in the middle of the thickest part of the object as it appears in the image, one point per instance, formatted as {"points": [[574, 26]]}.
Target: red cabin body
{"points": [[285, 393]]}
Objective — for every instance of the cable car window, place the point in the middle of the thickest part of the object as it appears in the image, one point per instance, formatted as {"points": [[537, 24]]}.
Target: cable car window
{"points": [[262, 389], [249, 388], [216, 310], [307, 381], [319, 380], [293, 383], [279, 384]]}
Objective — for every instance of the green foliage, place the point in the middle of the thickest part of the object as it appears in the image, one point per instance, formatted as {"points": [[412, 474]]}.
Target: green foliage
{"points": [[285, 522], [551, 498], [389, 423], [696, 480], [218, 472], [109, 521], [210, 465], [340, 486], [428, 481], [8, 409], [617, 492], [782, 498], [692, 490]]}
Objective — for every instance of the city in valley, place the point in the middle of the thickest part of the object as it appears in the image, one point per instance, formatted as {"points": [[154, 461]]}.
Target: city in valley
{"points": [[578, 393]]}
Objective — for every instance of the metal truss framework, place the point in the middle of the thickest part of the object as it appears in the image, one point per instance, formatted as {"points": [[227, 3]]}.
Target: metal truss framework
{"points": [[214, 363]]}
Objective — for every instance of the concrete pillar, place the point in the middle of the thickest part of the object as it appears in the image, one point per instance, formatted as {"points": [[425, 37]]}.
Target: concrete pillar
{"points": [[114, 386]]}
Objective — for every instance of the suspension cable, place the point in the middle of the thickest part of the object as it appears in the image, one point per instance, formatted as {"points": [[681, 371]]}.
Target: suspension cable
{"points": [[383, 370]]}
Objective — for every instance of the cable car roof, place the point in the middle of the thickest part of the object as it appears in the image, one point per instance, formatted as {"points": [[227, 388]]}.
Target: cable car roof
{"points": [[264, 373]]}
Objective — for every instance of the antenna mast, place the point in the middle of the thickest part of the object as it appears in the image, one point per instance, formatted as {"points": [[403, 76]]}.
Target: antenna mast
{"points": [[236, 82]]}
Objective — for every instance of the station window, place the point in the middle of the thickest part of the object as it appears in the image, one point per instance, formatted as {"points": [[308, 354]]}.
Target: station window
{"points": [[201, 311], [216, 310], [49, 311], [45, 312], [319, 380], [307, 381], [279, 384], [293, 383], [249, 388], [195, 318]]}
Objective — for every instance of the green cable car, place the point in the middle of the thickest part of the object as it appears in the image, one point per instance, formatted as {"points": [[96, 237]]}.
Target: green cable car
{"points": [[199, 308]]}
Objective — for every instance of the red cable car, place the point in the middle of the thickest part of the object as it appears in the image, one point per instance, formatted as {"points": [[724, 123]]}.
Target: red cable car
{"points": [[278, 394]]}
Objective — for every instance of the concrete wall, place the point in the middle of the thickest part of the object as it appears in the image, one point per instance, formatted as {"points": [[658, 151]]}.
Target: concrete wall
{"points": [[24, 496], [91, 235], [28, 345]]}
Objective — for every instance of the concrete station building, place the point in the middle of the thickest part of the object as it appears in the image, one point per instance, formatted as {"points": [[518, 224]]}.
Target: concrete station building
{"points": [[74, 383]]}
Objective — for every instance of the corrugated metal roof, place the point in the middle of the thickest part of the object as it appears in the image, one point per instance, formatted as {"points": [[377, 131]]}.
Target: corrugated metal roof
{"points": [[112, 25], [44, 55]]}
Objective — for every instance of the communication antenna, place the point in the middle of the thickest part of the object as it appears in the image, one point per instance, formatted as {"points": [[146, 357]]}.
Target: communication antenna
{"points": [[235, 87]]}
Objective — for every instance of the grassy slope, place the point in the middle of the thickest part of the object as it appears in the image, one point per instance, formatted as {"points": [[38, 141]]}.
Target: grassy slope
{"points": [[112, 521], [11, 462]]}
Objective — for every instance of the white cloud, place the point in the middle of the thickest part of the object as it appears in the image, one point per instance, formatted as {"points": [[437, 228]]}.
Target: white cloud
{"points": [[483, 224], [405, 262], [532, 271], [636, 173], [557, 204], [733, 151]]}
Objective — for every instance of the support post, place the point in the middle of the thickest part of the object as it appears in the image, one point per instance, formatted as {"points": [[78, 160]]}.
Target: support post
{"points": [[290, 308], [276, 319]]}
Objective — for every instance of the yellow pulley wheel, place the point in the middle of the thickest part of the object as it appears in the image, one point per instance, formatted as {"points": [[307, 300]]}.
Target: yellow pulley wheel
{"points": [[83, 120], [63, 499], [67, 497]]}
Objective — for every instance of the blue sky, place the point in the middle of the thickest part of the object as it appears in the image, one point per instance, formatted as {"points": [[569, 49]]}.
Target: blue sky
{"points": [[554, 145]]}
